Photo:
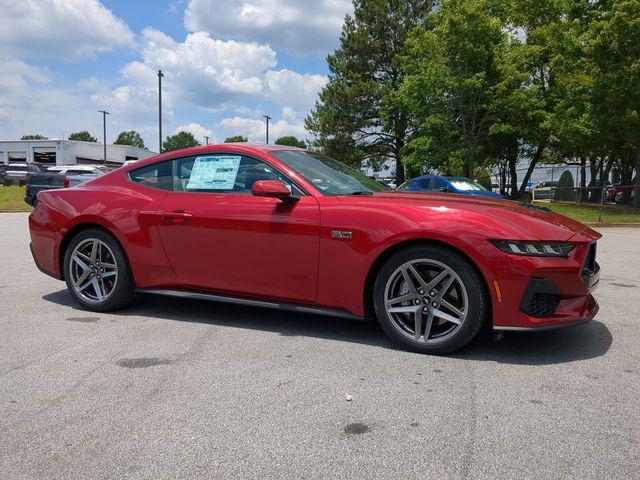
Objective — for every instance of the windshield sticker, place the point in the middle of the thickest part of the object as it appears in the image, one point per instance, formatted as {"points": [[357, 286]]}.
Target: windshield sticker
{"points": [[214, 173]]}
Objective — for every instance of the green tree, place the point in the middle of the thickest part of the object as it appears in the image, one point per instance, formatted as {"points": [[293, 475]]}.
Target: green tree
{"points": [[453, 86], [130, 137], [82, 136], [291, 141], [537, 50], [615, 53], [34, 137], [236, 139], [178, 141], [358, 116]]}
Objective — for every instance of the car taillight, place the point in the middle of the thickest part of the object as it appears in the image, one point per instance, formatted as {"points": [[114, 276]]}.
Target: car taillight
{"points": [[66, 182]]}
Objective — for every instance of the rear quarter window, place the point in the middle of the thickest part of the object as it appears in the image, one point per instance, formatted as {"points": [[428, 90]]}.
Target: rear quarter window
{"points": [[156, 175]]}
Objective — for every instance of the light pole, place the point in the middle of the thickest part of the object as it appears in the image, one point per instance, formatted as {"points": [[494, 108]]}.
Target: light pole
{"points": [[206, 140], [160, 75], [267, 118], [104, 135]]}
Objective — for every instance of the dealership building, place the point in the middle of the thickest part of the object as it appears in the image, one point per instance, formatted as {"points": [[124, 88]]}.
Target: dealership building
{"points": [[67, 152]]}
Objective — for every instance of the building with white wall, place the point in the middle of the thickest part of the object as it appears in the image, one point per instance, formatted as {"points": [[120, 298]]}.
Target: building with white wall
{"points": [[67, 152]]}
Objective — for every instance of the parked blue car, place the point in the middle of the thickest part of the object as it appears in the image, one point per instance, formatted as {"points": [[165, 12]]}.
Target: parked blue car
{"points": [[437, 183]]}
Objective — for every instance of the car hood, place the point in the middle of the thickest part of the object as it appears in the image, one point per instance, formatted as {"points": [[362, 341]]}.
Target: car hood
{"points": [[529, 222]]}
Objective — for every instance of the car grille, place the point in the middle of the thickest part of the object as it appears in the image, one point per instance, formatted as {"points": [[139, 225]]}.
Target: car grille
{"points": [[541, 297], [544, 304]]}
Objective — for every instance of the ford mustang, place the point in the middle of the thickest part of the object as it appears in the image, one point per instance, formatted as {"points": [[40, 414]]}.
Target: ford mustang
{"points": [[288, 228]]}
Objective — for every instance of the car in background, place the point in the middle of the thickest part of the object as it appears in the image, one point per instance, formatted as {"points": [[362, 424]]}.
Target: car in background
{"points": [[79, 169], [57, 177], [545, 190], [619, 193], [438, 183], [17, 173], [621, 198]]}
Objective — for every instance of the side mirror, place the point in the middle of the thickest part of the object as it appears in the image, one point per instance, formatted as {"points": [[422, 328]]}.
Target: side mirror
{"points": [[273, 188]]}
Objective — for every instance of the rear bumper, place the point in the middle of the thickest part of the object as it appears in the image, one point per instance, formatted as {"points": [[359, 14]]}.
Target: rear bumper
{"points": [[43, 270]]}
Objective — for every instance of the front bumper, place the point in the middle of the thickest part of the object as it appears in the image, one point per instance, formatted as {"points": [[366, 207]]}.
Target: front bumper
{"points": [[551, 326], [546, 293]]}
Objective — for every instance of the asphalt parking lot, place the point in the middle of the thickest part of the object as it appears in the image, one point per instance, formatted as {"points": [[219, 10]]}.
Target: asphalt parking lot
{"points": [[175, 388]]}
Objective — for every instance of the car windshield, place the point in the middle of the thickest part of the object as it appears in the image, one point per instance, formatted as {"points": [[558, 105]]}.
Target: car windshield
{"points": [[467, 185], [329, 176]]}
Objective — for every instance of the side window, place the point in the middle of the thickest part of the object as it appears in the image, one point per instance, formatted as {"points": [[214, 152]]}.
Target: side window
{"points": [[424, 184], [438, 183], [222, 173], [157, 175]]}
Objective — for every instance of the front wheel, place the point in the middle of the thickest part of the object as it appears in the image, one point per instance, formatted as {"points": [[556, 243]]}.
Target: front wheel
{"points": [[429, 299], [97, 272]]}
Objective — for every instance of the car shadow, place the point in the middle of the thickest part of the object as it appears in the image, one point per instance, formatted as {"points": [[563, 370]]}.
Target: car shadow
{"points": [[582, 342]]}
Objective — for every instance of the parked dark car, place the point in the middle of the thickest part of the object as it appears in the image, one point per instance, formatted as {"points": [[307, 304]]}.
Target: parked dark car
{"points": [[437, 183], [51, 180], [17, 173]]}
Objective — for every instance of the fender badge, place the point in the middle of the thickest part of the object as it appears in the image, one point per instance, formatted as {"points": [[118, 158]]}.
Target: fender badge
{"points": [[341, 234]]}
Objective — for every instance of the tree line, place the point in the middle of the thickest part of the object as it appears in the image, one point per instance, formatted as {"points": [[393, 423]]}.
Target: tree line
{"points": [[468, 86], [184, 139], [176, 141], [129, 137]]}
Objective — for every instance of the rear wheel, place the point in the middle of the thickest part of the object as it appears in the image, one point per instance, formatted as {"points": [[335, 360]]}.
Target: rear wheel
{"points": [[97, 273], [429, 299]]}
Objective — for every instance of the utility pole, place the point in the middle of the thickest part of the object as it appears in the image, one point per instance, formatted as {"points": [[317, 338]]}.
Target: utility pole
{"points": [[206, 140], [267, 118], [104, 135], [160, 75]]}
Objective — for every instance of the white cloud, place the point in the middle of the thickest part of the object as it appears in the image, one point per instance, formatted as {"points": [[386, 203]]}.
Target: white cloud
{"points": [[201, 70], [291, 123], [197, 130], [65, 29], [292, 88], [298, 27], [16, 78], [214, 76]]}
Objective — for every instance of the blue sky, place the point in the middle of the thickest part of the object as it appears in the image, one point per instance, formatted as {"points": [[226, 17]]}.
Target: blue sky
{"points": [[226, 62]]}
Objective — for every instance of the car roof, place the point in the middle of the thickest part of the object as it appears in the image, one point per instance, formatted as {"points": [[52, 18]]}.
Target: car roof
{"points": [[426, 177], [262, 147], [239, 147], [81, 167]]}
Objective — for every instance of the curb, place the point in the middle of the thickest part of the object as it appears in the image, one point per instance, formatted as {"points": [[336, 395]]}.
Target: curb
{"points": [[612, 225]]}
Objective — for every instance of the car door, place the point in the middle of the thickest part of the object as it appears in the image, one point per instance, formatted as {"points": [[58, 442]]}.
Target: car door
{"points": [[220, 237]]}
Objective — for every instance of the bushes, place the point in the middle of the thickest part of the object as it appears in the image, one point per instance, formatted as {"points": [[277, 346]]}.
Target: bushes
{"points": [[565, 190]]}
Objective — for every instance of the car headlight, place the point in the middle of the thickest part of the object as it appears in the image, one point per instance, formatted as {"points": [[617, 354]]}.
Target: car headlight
{"points": [[534, 249]]}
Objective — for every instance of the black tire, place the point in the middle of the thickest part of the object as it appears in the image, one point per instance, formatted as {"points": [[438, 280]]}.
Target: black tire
{"points": [[123, 291], [477, 298]]}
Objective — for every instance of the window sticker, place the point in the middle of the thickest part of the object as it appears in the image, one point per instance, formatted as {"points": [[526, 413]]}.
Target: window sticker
{"points": [[214, 172]]}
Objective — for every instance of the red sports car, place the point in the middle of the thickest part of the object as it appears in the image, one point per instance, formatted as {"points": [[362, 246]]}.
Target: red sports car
{"points": [[293, 229]]}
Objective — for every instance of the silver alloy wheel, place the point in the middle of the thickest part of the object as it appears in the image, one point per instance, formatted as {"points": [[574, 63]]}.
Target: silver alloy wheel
{"points": [[93, 270], [426, 301]]}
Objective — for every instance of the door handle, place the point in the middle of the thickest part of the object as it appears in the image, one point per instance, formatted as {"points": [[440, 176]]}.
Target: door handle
{"points": [[176, 216]]}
